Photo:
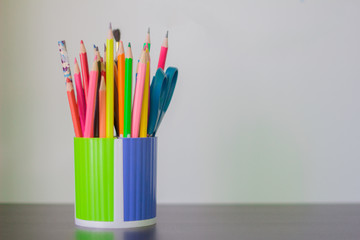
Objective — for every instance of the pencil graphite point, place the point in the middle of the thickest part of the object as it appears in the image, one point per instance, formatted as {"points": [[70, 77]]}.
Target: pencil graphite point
{"points": [[94, 46], [82, 42], [148, 30], [97, 48], [129, 45], [110, 27], [104, 47], [167, 34]]}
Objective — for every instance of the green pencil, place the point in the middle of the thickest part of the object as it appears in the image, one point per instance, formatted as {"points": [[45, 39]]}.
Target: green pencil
{"points": [[128, 92]]}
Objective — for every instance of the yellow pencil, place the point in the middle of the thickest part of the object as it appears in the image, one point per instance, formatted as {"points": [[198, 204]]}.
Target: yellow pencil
{"points": [[145, 103], [110, 84]]}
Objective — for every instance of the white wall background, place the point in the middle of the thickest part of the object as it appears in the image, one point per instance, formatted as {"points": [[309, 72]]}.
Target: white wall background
{"points": [[267, 106]]}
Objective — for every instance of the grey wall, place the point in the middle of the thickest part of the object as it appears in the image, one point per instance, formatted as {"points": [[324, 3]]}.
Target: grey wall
{"points": [[266, 107]]}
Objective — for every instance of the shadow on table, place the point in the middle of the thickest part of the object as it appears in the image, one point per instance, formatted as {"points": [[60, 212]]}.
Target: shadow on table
{"points": [[147, 233]]}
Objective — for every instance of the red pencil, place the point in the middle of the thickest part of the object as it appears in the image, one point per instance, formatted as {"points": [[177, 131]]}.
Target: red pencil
{"points": [[73, 108], [84, 68], [80, 96]]}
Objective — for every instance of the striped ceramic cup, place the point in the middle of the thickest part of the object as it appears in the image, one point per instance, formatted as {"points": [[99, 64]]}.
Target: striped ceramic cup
{"points": [[115, 182]]}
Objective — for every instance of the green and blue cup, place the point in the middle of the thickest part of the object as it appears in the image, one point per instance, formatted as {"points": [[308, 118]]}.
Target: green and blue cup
{"points": [[115, 182]]}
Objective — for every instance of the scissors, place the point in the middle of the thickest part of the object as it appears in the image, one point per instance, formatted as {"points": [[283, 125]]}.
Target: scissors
{"points": [[161, 91]]}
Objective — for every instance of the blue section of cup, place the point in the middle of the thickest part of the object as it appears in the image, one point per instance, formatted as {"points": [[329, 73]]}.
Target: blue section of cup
{"points": [[139, 178]]}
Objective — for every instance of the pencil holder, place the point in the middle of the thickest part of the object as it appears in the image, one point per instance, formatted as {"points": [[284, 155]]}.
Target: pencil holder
{"points": [[115, 182]]}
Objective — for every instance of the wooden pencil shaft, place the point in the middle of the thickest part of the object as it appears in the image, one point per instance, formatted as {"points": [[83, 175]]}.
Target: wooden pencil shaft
{"points": [[110, 88]]}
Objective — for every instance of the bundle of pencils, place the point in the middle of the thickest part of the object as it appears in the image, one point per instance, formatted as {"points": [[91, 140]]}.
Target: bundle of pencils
{"points": [[104, 106]]}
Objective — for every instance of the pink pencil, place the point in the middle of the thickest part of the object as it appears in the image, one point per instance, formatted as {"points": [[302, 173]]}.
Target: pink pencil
{"points": [[138, 97], [80, 96], [90, 108], [163, 52]]}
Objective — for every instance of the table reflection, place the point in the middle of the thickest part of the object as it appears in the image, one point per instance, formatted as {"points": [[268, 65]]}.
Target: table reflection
{"points": [[147, 233]]}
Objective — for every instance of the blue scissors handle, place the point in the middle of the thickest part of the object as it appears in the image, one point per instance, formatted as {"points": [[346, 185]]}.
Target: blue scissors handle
{"points": [[158, 90], [161, 92], [171, 75]]}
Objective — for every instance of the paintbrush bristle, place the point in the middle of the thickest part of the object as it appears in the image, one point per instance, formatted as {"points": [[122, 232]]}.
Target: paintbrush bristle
{"points": [[117, 34]]}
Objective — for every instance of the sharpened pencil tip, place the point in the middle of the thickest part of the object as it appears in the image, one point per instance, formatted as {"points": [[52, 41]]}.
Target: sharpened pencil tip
{"points": [[104, 47], [97, 48], [75, 61], [167, 34], [148, 29], [94, 46], [110, 26], [82, 42], [129, 45]]}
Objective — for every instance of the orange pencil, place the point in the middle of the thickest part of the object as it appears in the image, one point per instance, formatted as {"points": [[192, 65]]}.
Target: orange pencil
{"points": [[102, 108], [121, 86], [73, 108], [116, 103]]}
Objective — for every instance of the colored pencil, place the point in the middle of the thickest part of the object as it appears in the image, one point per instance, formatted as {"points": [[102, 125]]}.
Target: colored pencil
{"points": [[145, 100], [128, 92], [138, 97], [103, 72], [64, 60], [137, 66], [102, 108], [80, 96], [73, 108], [110, 84], [121, 86], [84, 68], [163, 52], [96, 114], [90, 105], [105, 56], [116, 103], [147, 40]]}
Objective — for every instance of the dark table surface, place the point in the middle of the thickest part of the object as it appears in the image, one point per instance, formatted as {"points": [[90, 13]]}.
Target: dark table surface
{"points": [[305, 222]]}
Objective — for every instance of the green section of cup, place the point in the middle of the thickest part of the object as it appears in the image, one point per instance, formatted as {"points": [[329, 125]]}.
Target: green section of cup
{"points": [[94, 178]]}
